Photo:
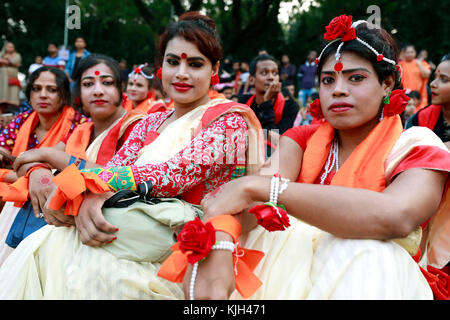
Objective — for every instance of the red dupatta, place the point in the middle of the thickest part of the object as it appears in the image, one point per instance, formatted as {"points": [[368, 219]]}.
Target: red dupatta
{"points": [[278, 106], [429, 116]]}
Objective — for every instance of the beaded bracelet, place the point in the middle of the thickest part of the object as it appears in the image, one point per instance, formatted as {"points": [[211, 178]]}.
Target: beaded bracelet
{"points": [[275, 189], [220, 245]]}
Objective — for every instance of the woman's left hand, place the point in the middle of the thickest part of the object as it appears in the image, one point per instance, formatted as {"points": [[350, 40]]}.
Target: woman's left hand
{"points": [[230, 198], [215, 277]]}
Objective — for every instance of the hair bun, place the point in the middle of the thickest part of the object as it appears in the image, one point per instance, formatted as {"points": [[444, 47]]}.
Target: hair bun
{"points": [[198, 17]]}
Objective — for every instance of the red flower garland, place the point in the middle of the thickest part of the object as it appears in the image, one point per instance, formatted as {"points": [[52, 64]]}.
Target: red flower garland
{"points": [[397, 103], [340, 27], [197, 239]]}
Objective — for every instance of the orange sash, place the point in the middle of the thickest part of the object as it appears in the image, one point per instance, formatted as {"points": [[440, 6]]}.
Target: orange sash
{"points": [[72, 183], [278, 106], [364, 168], [18, 191], [56, 133], [244, 260], [80, 139]]}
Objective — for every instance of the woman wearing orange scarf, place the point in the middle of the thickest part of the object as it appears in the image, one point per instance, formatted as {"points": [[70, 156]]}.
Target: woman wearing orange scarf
{"points": [[361, 186], [180, 154], [437, 115], [50, 121], [144, 91], [92, 143]]}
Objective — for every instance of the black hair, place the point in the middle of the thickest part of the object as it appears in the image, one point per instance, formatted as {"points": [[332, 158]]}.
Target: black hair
{"points": [[414, 94], [62, 82], [314, 96], [380, 40], [198, 29], [93, 60], [261, 57], [286, 93]]}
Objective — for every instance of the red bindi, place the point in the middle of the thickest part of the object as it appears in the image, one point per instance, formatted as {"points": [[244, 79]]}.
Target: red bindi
{"points": [[134, 80], [45, 180], [183, 55], [338, 66], [97, 73]]}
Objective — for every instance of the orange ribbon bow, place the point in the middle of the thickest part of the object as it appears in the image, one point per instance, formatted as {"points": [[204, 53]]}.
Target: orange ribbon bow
{"points": [[71, 184], [244, 260]]}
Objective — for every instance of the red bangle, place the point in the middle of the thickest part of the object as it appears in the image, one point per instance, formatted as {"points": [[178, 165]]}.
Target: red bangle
{"points": [[37, 166]]}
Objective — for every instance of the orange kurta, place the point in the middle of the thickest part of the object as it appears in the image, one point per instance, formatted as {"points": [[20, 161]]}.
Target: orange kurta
{"points": [[412, 79]]}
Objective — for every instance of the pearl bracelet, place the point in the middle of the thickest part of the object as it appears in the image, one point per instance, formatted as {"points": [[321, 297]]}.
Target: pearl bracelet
{"points": [[220, 245], [275, 189]]}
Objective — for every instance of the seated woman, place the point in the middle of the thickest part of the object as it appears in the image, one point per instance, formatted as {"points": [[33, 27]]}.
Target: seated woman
{"points": [[437, 115], [144, 92], [91, 144], [50, 121], [361, 185], [77, 262]]}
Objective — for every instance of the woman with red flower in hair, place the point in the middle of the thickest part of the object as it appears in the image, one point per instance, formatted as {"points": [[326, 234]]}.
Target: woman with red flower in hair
{"points": [[144, 91], [170, 161], [357, 188]]}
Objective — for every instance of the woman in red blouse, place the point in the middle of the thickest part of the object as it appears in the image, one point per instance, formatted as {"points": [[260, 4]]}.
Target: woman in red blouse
{"points": [[361, 188], [185, 152]]}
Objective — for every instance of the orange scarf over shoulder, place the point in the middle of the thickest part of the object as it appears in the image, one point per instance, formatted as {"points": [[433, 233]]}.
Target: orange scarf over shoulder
{"points": [[56, 133], [18, 191], [364, 168]]}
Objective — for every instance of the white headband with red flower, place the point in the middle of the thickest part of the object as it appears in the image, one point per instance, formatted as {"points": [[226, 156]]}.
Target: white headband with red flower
{"points": [[342, 29], [138, 71]]}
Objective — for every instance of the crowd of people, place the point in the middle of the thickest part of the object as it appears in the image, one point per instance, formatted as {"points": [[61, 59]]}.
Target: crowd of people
{"points": [[211, 178]]}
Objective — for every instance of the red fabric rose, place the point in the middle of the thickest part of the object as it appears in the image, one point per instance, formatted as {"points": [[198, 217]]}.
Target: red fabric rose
{"points": [[316, 110], [340, 27], [397, 103], [197, 239], [137, 70], [271, 217]]}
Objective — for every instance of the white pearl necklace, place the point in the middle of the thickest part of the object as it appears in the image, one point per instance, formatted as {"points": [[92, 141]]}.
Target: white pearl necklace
{"points": [[329, 165]]}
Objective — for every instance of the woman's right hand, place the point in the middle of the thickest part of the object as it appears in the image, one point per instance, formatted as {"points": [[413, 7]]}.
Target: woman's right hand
{"points": [[93, 228], [40, 186]]}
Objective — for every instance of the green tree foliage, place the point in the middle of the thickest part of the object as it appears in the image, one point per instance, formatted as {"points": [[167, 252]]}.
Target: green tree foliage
{"points": [[129, 29]]}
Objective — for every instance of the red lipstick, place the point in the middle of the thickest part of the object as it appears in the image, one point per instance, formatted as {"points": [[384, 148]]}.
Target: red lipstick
{"points": [[181, 86], [99, 102], [339, 107]]}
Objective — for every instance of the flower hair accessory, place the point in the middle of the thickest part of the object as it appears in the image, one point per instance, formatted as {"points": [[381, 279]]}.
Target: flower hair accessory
{"points": [[138, 71], [270, 215], [342, 29], [395, 103], [315, 110]]}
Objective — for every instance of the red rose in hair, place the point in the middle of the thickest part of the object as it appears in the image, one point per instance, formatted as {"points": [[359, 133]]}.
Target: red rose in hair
{"points": [[124, 99], [340, 27], [137, 70], [316, 110], [397, 103], [197, 239], [271, 217]]}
